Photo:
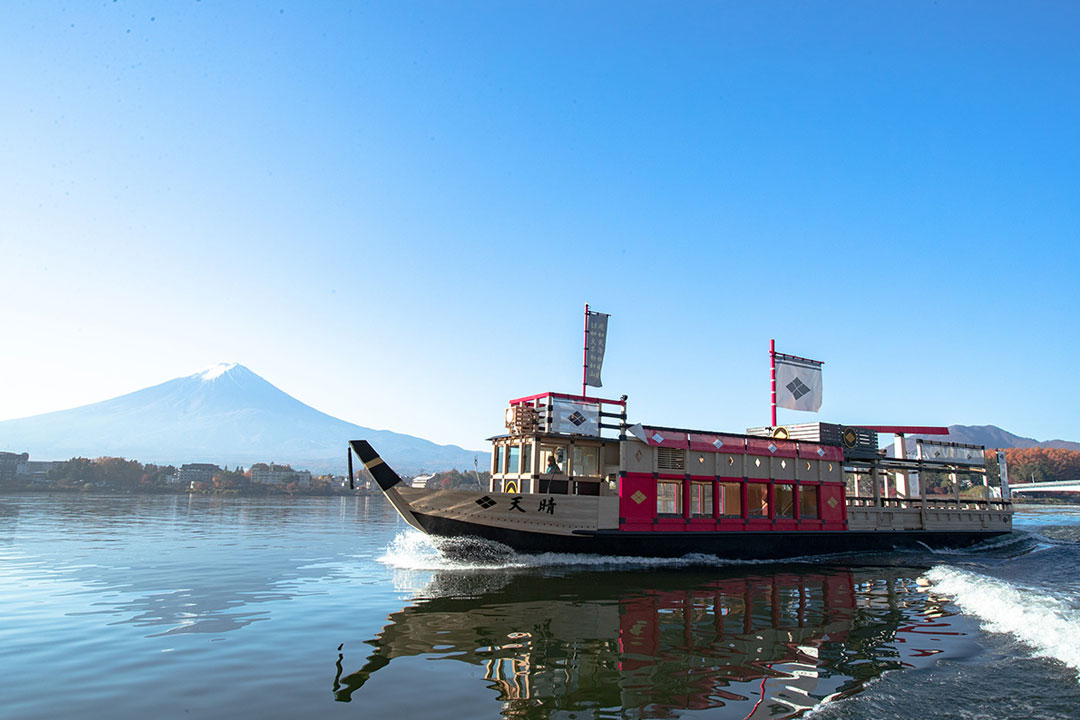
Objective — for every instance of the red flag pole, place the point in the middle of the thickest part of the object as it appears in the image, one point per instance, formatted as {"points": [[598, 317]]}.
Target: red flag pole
{"points": [[772, 373], [585, 353]]}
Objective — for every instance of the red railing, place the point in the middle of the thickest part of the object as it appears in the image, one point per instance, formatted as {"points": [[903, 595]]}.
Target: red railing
{"points": [[564, 396]]}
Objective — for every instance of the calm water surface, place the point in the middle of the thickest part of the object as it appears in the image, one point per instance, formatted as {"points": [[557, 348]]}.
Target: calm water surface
{"points": [[163, 606]]}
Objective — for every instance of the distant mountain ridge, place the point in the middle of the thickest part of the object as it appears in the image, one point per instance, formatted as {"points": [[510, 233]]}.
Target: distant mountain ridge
{"points": [[991, 436], [226, 415]]}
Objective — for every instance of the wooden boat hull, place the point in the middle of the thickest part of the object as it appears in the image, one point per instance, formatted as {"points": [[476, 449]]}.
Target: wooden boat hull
{"points": [[539, 523], [735, 545]]}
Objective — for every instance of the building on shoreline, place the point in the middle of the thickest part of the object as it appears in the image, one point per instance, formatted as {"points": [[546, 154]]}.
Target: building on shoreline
{"points": [[193, 474], [272, 474], [19, 468], [9, 464]]}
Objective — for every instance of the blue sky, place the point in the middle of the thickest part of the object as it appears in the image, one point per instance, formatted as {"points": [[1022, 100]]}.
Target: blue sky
{"points": [[397, 211]]}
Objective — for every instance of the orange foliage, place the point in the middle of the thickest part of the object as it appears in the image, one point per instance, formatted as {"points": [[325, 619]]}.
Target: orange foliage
{"points": [[1045, 464]]}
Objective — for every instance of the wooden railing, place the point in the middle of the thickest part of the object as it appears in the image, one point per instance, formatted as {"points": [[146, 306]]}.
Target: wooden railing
{"points": [[931, 503]]}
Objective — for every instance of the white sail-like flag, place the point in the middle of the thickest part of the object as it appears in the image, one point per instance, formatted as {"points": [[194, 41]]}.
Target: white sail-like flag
{"points": [[798, 383]]}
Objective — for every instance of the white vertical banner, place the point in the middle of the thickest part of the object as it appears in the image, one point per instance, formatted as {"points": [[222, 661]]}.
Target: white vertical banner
{"points": [[1003, 473], [594, 353], [798, 383]]}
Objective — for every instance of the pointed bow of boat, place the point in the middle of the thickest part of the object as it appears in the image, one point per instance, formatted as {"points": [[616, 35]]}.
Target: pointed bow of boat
{"points": [[388, 480], [375, 465]]}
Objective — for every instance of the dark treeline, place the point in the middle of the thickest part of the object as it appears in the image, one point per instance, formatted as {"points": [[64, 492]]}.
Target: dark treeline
{"points": [[77, 473], [122, 475]]}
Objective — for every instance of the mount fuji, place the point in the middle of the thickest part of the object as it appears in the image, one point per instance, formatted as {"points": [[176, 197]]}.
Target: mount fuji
{"points": [[226, 415]]}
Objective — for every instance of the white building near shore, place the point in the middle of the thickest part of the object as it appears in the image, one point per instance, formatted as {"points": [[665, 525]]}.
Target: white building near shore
{"points": [[271, 474]]}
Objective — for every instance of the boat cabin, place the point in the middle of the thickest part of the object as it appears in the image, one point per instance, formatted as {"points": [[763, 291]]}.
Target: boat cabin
{"points": [[814, 476]]}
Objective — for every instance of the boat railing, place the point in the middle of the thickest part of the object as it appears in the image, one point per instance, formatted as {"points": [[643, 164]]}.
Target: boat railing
{"points": [[554, 413], [929, 503]]}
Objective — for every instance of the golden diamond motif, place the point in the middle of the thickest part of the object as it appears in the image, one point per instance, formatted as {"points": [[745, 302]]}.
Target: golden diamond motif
{"points": [[639, 497], [832, 502]]}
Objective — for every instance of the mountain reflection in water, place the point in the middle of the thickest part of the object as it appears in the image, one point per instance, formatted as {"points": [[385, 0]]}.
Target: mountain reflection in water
{"points": [[648, 644]]}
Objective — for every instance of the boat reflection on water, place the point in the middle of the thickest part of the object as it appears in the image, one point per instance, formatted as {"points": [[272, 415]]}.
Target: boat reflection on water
{"points": [[649, 644]]}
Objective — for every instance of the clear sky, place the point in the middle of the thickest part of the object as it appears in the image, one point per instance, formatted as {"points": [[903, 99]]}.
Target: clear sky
{"points": [[396, 211]]}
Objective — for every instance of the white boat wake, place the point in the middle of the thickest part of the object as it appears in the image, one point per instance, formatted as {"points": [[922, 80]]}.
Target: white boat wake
{"points": [[1049, 625], [413, 550]]}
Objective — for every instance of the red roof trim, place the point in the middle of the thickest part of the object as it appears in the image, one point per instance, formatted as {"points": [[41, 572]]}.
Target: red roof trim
{"points": [[908, 429], [564, 396]]}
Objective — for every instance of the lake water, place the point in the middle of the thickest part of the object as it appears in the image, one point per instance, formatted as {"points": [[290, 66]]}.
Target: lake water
{"points": [[176, 606]]}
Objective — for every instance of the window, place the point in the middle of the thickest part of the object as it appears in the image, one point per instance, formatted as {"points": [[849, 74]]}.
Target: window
{"points": [[586, 460], [731, 499], [498, 459], [552, 460], [701, 499], [526, 457], [784, 495], [757, 499], [513, 459], [669, 498], [808, 499], [587, 488]]}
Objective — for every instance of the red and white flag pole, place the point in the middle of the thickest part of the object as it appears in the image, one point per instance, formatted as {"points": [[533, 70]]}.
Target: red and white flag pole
{"points": [[585, 354], [772, 374]]}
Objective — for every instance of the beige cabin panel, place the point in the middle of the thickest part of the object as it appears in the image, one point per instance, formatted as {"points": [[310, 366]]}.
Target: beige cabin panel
{"points": [[757, 467], [830, 471], [782, 468], [730, 465], [639, 457], [607, 513], [807, 470], [700, 463]]}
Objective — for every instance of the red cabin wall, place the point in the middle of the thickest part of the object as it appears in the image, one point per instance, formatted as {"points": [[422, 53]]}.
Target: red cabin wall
{"points": [[632, 514], [642, 516]]}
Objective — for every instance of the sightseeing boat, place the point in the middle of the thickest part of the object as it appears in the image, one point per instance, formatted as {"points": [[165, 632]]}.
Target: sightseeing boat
{"points": [[570, 474]]}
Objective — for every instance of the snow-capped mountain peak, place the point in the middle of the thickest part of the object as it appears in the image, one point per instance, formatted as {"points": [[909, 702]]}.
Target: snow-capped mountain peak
{"points": [[214, 372]]}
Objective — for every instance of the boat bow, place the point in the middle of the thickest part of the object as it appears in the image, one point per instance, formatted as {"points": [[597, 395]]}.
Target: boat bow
{"points": [[389, 481]]}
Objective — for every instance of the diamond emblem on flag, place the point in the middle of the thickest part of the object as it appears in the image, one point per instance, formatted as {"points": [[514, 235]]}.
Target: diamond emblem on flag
{"points": [[638, 497], [657, 438], [577, 418], [821, 452], [718, 443], [798, 388], [832, 502], [772, 448], [485, 502]]}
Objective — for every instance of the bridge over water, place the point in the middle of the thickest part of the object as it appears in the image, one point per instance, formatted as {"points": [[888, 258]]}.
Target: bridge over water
{"points": [[1058, 489]]}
